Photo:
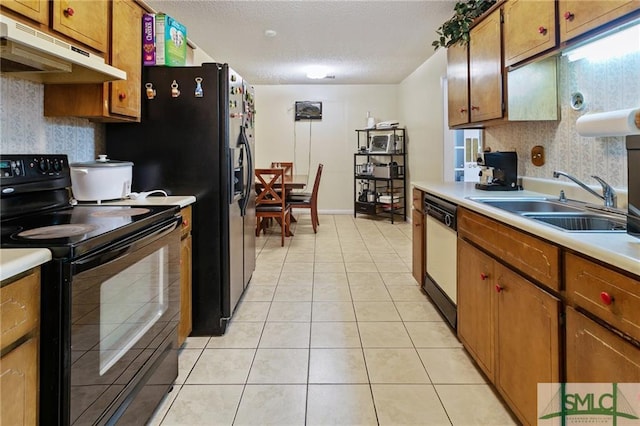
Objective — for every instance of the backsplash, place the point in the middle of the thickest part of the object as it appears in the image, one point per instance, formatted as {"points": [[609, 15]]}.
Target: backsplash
{"points": [[25, 130], [606, 86]]}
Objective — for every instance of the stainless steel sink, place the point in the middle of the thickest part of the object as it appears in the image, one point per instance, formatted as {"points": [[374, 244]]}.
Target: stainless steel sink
{"points": [[532, 205], [572, 216], [581, 222]]}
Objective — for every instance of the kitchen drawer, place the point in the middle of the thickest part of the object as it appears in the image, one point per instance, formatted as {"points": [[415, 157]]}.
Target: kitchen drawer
{"points": [[186, 221], [19, 308], [366, 208], [589, 285], [19, 384], [418, 200], [532, 256]]}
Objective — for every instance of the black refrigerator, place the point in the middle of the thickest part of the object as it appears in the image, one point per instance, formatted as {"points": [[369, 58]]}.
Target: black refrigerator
{"points": [[196, 137]]}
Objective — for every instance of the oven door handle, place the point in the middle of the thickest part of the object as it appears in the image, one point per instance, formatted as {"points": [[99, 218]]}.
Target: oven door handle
{"points": [[125, 247]]}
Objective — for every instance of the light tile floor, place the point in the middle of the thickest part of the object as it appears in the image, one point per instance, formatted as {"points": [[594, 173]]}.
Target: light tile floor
{"points": [[333, 330]]}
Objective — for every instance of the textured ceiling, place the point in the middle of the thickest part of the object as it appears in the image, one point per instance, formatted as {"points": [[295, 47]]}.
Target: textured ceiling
{"points": [[361, 42]]}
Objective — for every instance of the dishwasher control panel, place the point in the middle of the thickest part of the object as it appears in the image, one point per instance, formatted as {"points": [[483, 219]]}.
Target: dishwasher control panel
{"points": [[443, 211]]}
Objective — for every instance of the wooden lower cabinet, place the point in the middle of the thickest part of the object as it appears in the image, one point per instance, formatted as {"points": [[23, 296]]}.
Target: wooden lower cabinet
{"points": [[475, 305], [419, 246], [19, 384], [598, 355], [19, 345], [510, 327], [185, 325], [527, 341]]}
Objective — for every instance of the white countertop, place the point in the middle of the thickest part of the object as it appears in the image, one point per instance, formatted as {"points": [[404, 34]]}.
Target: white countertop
{"points": [[15, 261], [615, 248], [152, 200]]}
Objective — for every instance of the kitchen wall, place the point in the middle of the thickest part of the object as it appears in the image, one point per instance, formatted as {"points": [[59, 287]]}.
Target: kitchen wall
{"points": [[421, 99], [607, 86], [331, 141], [25, 130]]}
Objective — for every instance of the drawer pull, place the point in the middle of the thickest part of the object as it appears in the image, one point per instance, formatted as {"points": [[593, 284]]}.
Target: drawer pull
{"points": [[68, 12], [499, 288], [542, 30], [606, 298], [484, 276], [568, 16], [185, 222]]}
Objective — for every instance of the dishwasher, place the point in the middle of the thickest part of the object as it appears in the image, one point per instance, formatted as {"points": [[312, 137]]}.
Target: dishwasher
{"points": [[441, 256]]}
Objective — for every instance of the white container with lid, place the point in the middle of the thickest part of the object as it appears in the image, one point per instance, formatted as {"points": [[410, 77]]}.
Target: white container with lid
{"points": [[101, 180]]}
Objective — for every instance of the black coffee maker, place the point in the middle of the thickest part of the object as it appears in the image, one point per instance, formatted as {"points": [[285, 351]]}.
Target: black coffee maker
{"points": [[504, 166]]}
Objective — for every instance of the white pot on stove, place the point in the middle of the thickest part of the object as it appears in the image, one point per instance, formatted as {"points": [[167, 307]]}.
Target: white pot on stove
{"points": [[100, 180]]}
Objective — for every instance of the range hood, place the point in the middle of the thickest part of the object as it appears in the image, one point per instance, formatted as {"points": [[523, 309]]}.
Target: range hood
{"points": [[33, 55]]}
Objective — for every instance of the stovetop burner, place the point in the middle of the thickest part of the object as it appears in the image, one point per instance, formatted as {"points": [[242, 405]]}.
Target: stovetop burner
{"points": [[130, 212], [73, 231], [57, 231]]}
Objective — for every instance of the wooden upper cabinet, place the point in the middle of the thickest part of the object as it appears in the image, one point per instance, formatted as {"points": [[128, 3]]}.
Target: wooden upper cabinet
{"points": [[37, 10], [458, 84], [529, 29], [84, 21], [126, 55], [108, 102], [485, 69], [578, 17]]}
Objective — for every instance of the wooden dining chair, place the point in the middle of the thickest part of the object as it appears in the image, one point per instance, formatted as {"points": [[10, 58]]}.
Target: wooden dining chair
{"points": [[270, 202], [306, 200], [287, 166]]}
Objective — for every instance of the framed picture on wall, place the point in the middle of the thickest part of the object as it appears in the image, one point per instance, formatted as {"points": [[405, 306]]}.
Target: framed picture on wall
{"points": [[308, 110]]}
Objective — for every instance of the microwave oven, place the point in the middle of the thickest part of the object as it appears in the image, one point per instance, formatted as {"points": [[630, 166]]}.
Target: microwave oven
{"points": [[633, 160], [383, 144]]}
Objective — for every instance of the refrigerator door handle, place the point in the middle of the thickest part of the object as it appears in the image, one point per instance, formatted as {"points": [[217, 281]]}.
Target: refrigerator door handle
{"points": [[249, 182]]}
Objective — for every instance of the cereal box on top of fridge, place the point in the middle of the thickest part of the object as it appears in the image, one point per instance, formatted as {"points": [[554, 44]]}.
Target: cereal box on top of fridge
{"points": [[171, 41]]}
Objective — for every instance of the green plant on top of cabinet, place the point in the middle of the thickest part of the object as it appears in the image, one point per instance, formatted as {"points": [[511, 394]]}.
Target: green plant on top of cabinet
{"points": [[107, 102]]}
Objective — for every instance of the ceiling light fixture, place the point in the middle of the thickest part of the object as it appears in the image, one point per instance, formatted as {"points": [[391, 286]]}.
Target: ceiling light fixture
{"points": [[317, 72], [270, 33]]}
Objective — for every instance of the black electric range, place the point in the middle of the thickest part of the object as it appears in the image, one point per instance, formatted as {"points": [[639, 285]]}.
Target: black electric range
{"points": [[109, 298]]}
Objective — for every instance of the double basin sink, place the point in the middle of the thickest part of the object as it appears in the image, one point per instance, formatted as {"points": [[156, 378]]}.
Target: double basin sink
{"points": [[572, 216]]}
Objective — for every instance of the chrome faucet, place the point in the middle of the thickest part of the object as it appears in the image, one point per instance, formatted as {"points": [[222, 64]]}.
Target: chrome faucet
{"points": [[609, 195]]}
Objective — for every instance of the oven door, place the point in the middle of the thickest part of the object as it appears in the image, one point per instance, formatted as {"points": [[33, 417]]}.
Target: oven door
{"points": [[124, 311]]}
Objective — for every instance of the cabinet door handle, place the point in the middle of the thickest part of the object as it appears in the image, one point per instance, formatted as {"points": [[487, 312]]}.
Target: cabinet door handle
{"points": [[475, 108], [463, 110], [606, 298], [542, 30], [568, 16], [499, 288], [185, 222], [122, 96], [484, 276], [68, 12]]}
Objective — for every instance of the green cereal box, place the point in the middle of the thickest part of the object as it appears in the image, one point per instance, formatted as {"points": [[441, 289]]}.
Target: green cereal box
{"points": [[171, 41]]}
